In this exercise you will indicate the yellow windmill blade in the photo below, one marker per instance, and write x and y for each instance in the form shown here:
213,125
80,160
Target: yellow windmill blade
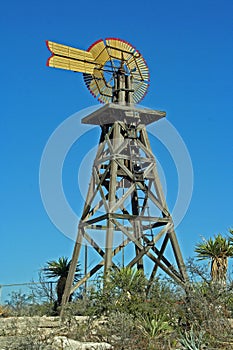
98,51
118,48
69,58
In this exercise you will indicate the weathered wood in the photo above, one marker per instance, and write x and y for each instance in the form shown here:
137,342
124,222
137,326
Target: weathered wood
112,200
124,172
112,112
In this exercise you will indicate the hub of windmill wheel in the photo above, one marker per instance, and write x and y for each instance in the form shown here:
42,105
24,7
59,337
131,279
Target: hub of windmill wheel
123,87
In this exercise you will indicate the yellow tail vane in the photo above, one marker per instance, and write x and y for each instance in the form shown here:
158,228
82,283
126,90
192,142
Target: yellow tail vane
66,57
99,65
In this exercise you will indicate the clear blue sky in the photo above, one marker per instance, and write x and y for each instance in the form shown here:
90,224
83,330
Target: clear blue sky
188,48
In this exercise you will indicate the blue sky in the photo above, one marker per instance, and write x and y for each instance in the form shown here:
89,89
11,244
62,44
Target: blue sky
188,48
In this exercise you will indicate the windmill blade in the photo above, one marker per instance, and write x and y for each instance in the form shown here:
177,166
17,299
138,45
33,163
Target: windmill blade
117,48
69,58
108,55
99,52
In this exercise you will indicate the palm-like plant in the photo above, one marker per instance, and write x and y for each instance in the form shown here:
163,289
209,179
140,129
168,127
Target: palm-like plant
218,250
231,237
59,269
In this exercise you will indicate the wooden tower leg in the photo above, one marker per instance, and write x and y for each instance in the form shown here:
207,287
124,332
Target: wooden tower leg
111,201
72,269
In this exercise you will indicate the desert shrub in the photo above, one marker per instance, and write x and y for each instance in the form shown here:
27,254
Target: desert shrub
4,311
21,304
205,310
121,330
121,311
122,290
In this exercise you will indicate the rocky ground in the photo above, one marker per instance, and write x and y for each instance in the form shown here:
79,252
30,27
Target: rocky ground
47,333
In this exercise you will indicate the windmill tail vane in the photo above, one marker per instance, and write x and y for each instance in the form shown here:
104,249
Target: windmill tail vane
100,63
66,57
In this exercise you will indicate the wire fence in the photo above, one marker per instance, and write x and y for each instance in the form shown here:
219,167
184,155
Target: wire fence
28,289
38,292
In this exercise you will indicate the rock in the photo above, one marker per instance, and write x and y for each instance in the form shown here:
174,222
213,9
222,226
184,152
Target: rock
64,343
48,331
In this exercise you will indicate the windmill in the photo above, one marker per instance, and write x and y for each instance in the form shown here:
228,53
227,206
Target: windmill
125,197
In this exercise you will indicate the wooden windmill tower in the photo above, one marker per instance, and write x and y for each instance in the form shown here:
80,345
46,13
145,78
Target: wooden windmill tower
125,198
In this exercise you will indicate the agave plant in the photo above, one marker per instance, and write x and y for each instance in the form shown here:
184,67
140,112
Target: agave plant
155,327
192,340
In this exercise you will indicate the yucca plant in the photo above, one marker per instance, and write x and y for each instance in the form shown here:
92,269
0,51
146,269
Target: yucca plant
231,236
127,280
218,250
59,269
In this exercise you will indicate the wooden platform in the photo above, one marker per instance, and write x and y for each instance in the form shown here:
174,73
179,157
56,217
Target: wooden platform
112,112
